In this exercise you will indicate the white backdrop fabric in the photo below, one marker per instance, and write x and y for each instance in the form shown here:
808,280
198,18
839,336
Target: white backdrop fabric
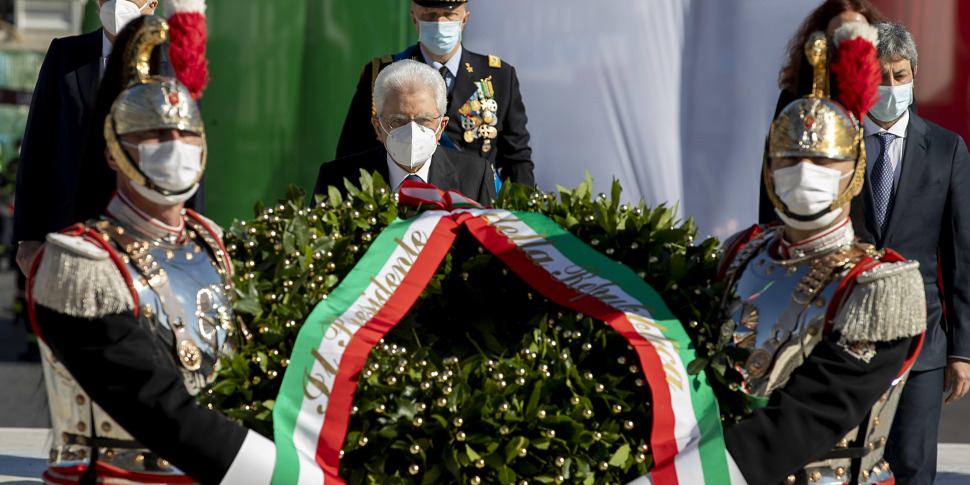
671,97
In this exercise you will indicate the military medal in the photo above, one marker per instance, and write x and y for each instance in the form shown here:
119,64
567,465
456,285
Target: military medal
479,115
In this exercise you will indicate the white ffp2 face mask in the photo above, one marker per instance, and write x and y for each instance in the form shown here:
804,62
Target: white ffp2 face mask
172,165
808,190
411,145
116,14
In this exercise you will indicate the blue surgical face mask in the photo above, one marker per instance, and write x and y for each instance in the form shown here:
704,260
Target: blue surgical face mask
439,37
893,103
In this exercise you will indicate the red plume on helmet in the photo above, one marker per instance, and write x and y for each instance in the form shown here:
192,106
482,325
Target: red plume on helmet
187,37
856,68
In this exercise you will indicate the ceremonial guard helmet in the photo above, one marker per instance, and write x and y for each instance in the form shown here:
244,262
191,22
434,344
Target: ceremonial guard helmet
150,102
818,126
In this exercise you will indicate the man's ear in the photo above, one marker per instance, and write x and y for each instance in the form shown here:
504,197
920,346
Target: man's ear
441,129
376,123
914,72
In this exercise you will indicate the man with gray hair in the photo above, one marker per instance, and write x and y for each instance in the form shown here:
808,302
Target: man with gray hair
411,102
484,100
918,203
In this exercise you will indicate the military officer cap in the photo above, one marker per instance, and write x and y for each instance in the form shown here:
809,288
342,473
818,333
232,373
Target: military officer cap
440,3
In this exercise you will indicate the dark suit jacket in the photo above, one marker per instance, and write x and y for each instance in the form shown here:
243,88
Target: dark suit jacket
930,223
57,124
58,181
509,153
450,170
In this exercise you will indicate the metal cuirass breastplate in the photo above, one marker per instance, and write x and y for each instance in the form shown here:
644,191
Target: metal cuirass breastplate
779,316
183,303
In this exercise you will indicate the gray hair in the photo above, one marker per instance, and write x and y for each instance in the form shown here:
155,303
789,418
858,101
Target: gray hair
408,75
895,40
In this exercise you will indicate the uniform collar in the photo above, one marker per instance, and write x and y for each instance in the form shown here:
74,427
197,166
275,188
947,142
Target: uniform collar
123,210
840,235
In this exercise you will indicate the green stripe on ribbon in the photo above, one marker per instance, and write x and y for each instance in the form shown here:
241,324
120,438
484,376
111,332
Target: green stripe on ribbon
290,398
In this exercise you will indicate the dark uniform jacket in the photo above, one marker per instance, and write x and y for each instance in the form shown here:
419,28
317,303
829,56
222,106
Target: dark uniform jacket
509,152
450,170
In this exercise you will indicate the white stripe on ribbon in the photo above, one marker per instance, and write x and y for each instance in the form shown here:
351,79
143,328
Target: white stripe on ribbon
686,429
309,422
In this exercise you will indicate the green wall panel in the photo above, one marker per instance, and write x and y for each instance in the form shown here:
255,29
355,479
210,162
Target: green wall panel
282,76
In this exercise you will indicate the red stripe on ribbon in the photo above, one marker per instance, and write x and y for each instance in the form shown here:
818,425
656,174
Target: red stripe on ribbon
662,433
662,437
337,418
417,194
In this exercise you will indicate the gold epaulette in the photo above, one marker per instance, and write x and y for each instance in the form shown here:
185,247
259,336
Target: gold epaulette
494,61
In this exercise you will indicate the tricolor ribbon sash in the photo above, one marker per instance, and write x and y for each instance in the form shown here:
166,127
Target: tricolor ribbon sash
312,411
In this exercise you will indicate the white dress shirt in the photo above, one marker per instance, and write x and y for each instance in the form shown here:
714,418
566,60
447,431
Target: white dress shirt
896,147
453,65
106,48
398,174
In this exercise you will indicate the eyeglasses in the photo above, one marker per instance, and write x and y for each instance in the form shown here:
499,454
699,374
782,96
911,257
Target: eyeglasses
396,121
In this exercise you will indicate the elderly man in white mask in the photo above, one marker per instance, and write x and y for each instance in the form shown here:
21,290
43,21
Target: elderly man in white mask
411,101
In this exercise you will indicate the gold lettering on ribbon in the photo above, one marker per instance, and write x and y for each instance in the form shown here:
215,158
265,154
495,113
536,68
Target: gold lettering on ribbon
336,328
319,381
582,279
649,330
673,376
337,325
